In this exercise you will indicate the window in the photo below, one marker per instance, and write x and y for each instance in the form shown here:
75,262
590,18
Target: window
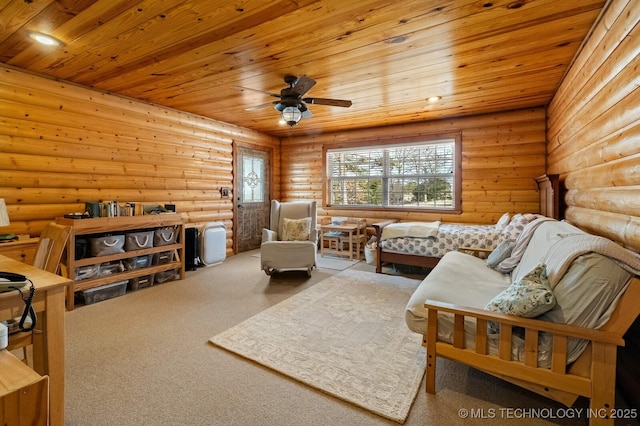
253,183
415,175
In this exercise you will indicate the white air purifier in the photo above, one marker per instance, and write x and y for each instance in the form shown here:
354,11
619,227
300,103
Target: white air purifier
213,243
4,336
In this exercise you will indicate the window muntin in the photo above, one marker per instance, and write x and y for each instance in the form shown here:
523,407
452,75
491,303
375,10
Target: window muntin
418,175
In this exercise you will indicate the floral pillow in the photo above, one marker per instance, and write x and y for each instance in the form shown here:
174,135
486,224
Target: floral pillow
514,228
296,229
529,297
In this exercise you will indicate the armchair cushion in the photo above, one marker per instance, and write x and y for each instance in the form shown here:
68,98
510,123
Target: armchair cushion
296,229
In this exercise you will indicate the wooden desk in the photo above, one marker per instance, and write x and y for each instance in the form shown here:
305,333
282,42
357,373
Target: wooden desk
22,250
23,393
349,229
48,346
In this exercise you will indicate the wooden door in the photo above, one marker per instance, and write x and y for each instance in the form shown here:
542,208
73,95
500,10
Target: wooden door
252,196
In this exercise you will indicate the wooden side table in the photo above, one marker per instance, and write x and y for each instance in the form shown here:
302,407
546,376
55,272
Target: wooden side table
350,233
347,229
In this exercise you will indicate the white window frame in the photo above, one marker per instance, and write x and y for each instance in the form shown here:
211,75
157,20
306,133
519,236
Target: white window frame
436,167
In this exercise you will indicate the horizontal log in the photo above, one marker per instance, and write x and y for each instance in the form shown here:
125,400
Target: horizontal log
527,196
179,121
497,184
80,195
502,162
519,175
471,151
618,146
615,200
24,179
105,167
622,228
602,43
92,154
620,173
613,109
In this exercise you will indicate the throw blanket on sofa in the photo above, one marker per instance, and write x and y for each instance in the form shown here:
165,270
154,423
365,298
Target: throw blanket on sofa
562,253
521,244
411,229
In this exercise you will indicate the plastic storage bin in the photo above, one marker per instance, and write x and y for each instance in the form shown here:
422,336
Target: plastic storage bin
103,292
164,276
110,268
138,262
140,282
163,257
86,272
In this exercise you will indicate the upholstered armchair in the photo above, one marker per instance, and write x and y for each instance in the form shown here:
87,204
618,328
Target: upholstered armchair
291,241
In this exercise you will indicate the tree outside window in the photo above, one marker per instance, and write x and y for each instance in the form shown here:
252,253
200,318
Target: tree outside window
420,175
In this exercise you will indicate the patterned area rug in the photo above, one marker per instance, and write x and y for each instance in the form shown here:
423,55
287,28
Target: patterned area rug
345,336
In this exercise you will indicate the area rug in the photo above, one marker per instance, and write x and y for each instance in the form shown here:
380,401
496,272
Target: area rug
345,336
335,263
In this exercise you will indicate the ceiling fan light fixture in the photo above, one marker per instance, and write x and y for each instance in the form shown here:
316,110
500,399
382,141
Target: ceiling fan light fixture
291,115
45,39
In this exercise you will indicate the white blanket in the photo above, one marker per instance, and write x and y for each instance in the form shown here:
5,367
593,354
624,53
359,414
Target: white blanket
411,229
562,253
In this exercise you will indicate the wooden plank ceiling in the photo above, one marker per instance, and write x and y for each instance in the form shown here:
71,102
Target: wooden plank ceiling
387,57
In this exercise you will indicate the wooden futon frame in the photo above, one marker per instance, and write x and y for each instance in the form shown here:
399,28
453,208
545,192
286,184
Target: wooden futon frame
592,375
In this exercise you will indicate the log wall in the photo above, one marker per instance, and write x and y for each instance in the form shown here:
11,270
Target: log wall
594,145
502,154
63,144
594,129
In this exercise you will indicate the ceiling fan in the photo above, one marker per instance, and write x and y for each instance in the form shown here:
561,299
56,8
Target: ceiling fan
292,105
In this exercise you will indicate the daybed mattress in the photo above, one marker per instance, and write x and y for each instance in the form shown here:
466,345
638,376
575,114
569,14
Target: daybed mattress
450,237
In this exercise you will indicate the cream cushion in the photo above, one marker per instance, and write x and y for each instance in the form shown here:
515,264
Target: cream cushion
296,229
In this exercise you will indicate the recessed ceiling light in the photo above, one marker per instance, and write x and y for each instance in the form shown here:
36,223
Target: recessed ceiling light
433,99
45,39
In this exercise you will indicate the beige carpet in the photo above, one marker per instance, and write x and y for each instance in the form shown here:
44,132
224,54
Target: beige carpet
345,336
330,262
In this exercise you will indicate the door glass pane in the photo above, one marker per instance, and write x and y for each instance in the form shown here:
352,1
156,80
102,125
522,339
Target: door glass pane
253,179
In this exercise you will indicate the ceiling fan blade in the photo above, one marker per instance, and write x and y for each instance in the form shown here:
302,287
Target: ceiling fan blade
242,89
253,108
331,102
302,86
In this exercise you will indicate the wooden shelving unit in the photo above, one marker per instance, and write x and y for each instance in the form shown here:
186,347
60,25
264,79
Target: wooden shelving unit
121,225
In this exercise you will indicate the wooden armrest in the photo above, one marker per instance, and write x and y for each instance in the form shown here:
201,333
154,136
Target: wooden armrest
527,323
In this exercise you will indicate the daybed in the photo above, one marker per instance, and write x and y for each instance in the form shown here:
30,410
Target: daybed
424,243
552,324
